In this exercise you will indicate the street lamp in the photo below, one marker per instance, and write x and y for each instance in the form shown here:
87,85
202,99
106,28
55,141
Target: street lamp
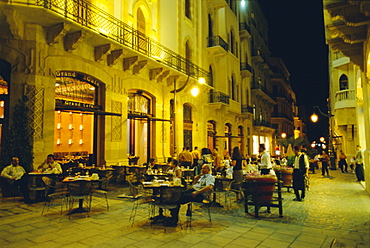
194,91
315,118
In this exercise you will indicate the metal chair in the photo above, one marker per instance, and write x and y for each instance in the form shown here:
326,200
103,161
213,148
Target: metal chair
196,208
54,191
223,187
143,203
79,191
101,191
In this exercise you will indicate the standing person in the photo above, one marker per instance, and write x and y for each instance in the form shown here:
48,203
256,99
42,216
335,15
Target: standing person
50,166
265,164
196,156
206,158
217,161
300,165
185,158
343,162
236,163
359,165
16,176
324,163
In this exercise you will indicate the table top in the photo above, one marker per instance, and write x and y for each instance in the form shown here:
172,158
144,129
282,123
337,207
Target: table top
152,185
77,179
40,173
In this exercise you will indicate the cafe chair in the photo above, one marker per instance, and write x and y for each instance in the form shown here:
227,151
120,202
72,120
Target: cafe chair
79,192
101,192
143,203
199,210
223,188
8,190
54,192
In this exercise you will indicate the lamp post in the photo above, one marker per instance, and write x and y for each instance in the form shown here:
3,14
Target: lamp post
315,118
194,92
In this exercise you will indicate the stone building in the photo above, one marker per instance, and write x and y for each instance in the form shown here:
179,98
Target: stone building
347,25
113,80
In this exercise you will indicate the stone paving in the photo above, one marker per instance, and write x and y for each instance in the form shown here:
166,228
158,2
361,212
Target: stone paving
336,208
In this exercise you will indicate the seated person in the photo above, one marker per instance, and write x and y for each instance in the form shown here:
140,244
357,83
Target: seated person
202,184
175,169
16,176
151,164
50,166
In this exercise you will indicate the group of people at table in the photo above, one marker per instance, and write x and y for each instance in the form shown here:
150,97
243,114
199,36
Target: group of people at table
16,175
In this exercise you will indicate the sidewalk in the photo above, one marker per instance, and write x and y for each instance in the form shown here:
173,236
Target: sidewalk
335,208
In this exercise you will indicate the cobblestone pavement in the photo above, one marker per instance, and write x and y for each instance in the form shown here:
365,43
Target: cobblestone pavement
336,208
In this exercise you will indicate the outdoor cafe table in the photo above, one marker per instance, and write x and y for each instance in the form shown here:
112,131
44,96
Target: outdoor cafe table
84,184
37,185
161,187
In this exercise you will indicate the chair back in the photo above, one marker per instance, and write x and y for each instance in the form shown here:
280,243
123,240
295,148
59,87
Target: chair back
79,188
172,195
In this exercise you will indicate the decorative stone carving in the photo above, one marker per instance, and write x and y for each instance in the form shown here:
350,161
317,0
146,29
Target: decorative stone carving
128,62
163,76
54,33
72,40
100,51
15,22
153,73
114,56
137,68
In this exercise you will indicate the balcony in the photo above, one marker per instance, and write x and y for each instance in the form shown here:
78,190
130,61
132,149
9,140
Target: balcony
282,116
247,109
262,123
217,45
244,30
105,27
246,69
257,56
345,99
219,97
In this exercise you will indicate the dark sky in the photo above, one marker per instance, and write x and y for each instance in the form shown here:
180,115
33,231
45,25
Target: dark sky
296,34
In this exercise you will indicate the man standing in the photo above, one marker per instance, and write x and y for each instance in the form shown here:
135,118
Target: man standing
265,164
359,165
16,176
217,161
185,157
196,156
301,165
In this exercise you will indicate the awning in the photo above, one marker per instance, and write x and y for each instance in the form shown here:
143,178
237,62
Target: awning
149,118
83,109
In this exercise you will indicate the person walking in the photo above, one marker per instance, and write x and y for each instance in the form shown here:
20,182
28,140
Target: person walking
359,170
324,163
236,163
343,162
300,165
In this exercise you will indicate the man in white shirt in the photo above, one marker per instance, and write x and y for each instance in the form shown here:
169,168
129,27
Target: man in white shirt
265,164
50,166
301,165
202,184
17,176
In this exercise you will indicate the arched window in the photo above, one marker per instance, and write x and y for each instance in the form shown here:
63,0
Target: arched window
233,89
232,42
261,114
188,126
187,9
343,82
141,25
210,76
254,111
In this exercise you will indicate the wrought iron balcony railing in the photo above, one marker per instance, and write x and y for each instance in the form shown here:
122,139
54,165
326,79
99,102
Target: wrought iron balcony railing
218,97
217,41
247,109
244,26
103,23
262,123
246,67
256,85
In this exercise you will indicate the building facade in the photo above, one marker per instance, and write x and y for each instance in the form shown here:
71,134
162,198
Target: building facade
113,80
347,25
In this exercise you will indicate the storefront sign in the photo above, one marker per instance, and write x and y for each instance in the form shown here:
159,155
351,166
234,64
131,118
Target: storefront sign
76,104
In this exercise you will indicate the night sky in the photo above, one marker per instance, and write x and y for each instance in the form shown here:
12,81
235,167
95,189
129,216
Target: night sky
296,34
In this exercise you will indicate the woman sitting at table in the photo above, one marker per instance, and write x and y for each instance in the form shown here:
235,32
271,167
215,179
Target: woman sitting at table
50,166
175,169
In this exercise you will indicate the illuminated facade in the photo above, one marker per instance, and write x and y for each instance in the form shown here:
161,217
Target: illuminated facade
347,25
113,79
